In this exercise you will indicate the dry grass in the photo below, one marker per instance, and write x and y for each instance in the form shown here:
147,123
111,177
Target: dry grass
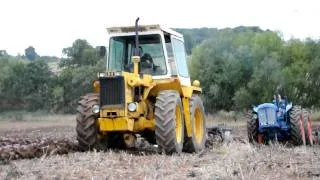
228,161
233,120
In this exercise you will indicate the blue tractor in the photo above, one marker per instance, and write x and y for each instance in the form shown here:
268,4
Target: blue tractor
279,121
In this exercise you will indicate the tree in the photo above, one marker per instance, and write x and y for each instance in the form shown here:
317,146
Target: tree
27,85
81,78
81,53
313,84
3,53
30,53
237,63
37,77
264,81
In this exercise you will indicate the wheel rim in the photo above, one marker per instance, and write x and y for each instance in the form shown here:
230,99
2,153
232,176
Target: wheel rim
178,124
198,120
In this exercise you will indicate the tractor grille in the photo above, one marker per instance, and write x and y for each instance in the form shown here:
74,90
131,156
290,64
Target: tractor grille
112,91
267,116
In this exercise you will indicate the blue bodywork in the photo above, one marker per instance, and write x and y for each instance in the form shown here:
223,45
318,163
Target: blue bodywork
273,119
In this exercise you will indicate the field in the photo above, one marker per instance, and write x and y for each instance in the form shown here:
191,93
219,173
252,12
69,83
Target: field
235,159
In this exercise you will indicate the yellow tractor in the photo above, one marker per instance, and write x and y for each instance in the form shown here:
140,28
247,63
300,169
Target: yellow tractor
145,90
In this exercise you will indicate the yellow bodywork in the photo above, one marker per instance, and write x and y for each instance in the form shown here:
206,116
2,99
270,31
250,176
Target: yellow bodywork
179,124
125,124
120,119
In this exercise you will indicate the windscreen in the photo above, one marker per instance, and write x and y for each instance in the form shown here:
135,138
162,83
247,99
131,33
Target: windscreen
152,61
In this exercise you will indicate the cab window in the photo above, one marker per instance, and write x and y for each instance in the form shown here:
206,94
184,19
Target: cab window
180,57
151,53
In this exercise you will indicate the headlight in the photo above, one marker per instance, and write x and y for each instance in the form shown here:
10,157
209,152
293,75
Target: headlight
95,108
117,73
132,107
102,75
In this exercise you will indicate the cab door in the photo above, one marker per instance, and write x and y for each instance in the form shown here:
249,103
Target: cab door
180,59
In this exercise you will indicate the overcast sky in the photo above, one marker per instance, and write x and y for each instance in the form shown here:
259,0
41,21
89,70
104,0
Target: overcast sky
52,25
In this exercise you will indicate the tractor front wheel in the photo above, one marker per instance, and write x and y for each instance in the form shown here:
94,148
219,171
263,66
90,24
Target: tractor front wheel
169,130
196,142
297,126
252,128
87,130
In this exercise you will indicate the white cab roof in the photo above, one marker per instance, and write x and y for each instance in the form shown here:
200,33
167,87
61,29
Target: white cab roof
142,28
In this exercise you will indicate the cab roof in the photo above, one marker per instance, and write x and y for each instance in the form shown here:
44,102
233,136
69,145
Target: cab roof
142,28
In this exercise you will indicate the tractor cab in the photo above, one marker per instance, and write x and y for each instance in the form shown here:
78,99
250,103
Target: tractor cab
161,51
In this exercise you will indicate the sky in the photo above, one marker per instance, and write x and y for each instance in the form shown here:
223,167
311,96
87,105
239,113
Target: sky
51,25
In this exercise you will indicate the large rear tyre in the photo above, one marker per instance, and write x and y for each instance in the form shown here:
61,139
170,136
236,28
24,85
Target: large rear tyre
307,127
252,128
297,126
196,142
87,130
169,130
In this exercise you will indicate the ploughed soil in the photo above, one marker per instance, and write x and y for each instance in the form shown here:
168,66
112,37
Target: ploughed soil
48,150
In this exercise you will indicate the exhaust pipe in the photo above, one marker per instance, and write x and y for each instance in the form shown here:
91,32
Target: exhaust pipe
137,51
136,57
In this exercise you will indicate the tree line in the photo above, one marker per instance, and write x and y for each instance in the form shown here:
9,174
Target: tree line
30,84
242,67
237,67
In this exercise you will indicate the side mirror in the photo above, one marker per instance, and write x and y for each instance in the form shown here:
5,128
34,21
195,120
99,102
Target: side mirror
102,51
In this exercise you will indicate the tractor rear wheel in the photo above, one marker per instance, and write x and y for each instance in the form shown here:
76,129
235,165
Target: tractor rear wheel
87,130
296,126
307,127
169,130
252,128
196,142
